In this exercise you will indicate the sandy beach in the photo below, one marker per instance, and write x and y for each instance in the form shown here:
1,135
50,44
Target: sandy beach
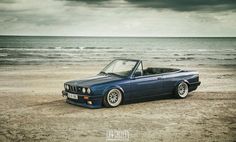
32,109
51,44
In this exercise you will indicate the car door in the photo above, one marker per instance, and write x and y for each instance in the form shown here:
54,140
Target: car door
145,86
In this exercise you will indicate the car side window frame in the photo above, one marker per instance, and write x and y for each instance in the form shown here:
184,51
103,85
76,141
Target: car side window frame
133,74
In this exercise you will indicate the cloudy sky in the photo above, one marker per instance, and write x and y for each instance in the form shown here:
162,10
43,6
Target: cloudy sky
118,17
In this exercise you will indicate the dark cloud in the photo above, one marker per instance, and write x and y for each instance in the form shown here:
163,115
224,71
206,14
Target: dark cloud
187,5
92,1
176,5
88,1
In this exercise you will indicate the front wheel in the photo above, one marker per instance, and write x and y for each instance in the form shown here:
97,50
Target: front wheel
181,90
113,98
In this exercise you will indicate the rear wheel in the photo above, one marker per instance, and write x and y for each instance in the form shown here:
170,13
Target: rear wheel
181,90
113,98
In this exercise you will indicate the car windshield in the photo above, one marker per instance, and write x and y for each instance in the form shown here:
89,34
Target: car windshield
120,67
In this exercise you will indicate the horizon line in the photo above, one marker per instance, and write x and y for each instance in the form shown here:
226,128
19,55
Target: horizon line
120,36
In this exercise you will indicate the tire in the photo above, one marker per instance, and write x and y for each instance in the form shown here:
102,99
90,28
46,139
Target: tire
113,98
181,90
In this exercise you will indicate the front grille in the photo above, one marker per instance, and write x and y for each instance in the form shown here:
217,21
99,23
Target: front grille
74,89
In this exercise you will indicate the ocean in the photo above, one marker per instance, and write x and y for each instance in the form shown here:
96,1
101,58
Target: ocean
35,50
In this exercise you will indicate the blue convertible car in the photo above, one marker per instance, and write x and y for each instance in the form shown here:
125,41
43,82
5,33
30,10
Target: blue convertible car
125,80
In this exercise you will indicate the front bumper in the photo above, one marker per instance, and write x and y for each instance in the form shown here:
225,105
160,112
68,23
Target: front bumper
84,99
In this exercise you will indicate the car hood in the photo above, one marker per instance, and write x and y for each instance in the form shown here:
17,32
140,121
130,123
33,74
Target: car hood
98,79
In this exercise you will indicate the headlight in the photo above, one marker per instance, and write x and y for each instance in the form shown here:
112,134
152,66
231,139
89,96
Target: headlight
67,87
88,91
84,90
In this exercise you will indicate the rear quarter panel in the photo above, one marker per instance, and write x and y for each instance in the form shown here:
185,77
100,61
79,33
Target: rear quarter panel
171,80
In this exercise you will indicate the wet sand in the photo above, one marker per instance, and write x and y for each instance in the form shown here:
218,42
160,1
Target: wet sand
32,109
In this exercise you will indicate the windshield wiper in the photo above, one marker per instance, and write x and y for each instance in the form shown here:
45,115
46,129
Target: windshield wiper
102,72
110,73
114,74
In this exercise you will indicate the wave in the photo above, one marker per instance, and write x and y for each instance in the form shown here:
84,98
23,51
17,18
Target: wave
185,58
221,58
77,50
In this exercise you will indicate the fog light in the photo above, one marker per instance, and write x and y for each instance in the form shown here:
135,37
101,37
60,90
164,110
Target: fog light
89,102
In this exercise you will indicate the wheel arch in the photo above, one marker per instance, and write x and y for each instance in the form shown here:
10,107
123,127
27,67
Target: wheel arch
178,82
107,89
